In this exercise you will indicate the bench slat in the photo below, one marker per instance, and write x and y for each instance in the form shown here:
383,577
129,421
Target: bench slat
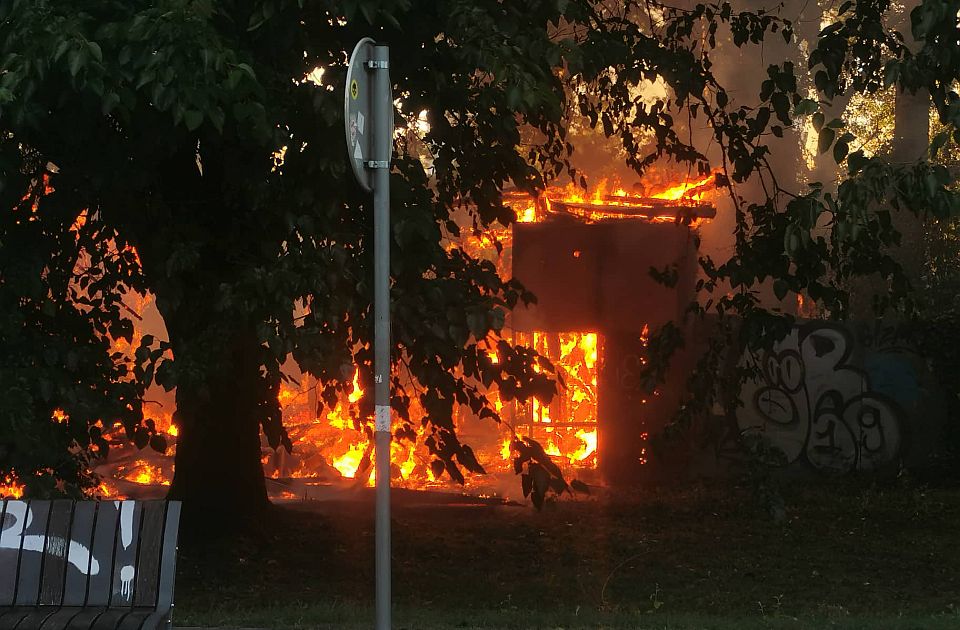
84,619
55,552
146,620
104,543
168,559
129,619
9,550
125,555
80,560
34,618
111,619
63,616
148,563
31,554
11,617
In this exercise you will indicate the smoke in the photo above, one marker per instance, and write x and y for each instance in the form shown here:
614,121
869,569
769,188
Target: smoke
740,70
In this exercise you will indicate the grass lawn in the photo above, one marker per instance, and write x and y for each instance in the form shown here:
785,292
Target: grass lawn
845,557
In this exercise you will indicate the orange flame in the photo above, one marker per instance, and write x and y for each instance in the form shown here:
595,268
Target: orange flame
142,472
11,488
606,195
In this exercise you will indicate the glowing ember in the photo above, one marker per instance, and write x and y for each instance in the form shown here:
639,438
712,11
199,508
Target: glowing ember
287,395
108,489
145,473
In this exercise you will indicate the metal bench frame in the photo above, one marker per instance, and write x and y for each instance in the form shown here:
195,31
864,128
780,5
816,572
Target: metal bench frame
94,565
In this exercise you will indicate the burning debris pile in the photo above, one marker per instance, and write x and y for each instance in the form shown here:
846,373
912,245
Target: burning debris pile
595,355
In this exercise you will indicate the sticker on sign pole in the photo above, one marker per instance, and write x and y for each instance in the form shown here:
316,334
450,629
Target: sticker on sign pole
382,418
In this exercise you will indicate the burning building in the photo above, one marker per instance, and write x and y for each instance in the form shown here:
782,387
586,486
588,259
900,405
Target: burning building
612,266
606,268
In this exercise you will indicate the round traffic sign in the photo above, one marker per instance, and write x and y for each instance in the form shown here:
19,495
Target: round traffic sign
357,113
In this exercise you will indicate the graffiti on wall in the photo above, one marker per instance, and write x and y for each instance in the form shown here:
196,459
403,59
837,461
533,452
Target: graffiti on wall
820,407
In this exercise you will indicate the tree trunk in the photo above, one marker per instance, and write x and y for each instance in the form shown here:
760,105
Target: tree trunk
218,472
911,140
222,397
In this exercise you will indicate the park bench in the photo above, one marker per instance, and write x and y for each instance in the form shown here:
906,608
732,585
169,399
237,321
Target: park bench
87,564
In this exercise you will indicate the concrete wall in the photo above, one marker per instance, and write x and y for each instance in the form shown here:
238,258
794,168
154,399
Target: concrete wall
837,399
596,277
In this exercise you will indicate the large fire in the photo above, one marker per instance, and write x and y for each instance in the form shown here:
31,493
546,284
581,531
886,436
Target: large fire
335,446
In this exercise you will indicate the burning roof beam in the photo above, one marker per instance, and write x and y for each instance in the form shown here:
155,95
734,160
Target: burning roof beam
649,208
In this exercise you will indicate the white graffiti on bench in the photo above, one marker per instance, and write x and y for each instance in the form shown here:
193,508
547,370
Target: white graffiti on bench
19,516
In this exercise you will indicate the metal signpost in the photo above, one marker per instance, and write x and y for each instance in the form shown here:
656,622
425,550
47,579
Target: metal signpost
368,115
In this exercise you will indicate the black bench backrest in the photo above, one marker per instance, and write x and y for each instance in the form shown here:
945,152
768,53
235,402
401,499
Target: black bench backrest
104,554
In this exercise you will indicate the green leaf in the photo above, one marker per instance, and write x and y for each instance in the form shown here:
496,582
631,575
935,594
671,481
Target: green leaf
817,121
158,443
193,119
217,117
526,484
110,100
938,141
780,288
247,69
257,20
791,240
95,51
840,151
61,49
781,106
825,140
145,78
806,106
891,72
932,184
856,161
74,61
